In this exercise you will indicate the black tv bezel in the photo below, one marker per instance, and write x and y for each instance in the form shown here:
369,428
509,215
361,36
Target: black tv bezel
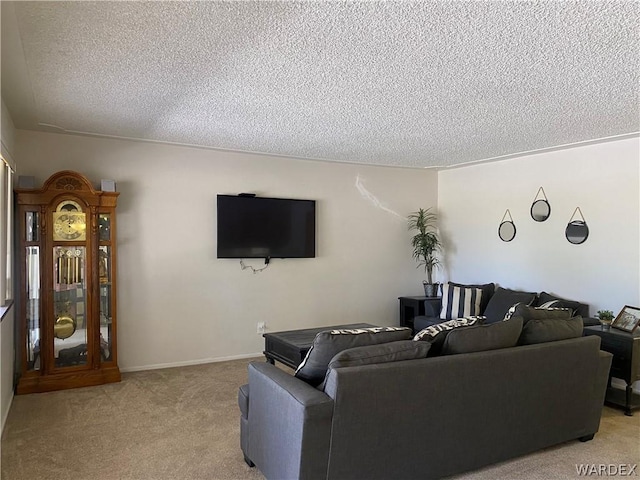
256,197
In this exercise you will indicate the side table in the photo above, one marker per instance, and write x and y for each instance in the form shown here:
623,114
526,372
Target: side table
411,307
625,364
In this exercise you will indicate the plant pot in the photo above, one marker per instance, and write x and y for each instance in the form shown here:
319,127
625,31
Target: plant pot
606,324
431,289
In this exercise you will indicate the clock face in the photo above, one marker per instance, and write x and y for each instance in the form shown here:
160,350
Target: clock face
68,206
69,226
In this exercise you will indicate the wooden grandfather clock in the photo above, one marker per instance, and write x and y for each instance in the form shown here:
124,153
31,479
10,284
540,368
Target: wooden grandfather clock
66,258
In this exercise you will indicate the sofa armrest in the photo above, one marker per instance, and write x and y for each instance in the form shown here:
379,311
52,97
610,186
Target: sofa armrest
286,418
432,307
423,322
590,321
583,310
599,390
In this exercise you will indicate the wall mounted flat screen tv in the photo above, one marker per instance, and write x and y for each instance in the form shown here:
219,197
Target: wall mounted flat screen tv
260,227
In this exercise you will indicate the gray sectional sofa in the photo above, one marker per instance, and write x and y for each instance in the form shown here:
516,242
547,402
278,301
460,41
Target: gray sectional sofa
422,418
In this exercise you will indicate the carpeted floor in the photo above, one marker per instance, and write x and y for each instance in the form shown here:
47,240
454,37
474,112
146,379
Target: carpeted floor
183,424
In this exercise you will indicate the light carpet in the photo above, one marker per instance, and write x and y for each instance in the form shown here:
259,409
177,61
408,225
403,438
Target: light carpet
183,424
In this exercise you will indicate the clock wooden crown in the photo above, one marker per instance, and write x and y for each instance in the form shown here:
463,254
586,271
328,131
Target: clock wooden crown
68,182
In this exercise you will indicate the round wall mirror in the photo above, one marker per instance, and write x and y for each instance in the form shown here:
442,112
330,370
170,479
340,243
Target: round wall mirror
540,210
577,232
507,231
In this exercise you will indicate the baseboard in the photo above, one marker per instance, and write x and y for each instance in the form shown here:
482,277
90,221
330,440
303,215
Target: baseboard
190,362
618,383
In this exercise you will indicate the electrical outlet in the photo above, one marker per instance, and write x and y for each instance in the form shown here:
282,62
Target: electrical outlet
262,327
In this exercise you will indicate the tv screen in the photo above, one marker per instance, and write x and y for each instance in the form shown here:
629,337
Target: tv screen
260,227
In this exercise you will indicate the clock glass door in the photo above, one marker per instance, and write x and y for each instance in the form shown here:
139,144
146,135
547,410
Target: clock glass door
69,306
32,290
105,275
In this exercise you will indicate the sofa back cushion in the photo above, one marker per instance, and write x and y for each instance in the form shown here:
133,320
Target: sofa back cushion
479,338
502,300
328,343
459,300
381,353
543,330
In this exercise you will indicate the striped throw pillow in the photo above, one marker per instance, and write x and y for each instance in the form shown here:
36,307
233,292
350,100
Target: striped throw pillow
459,301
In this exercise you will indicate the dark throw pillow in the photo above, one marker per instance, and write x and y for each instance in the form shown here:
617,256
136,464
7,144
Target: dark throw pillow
480,338
435,334
577,307
550,330
502,300
328,343
537,313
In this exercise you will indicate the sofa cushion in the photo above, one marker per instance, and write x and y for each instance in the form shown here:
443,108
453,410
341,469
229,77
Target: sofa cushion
479,338
460,301
330,342
535,313
381,353
550,329
578,307
502,300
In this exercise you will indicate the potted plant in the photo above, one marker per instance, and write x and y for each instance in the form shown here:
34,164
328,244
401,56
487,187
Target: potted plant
426,246
605,317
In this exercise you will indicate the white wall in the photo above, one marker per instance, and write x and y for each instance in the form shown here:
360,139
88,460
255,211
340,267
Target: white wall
178,304
7,145
6,364
7,130
602,179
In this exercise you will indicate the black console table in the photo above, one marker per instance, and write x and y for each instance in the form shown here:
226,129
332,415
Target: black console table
411,307
625,364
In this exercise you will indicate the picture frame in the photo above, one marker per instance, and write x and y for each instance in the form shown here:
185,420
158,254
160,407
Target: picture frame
628,319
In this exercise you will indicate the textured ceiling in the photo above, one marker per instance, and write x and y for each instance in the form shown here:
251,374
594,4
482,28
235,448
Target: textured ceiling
414,84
